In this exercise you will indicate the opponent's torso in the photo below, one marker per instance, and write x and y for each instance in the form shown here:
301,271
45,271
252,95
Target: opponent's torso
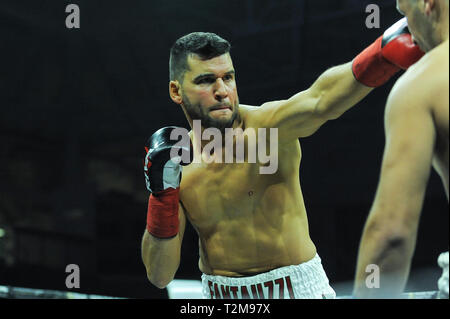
440,158
248,222
439,97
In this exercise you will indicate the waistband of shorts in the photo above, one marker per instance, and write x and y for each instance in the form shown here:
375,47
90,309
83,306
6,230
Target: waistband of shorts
307,269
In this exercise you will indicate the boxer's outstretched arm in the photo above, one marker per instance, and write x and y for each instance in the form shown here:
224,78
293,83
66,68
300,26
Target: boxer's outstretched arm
161,257
341,87
333,93
389,235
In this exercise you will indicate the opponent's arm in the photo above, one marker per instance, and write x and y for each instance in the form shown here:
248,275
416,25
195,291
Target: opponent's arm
389,235
341,87
161,243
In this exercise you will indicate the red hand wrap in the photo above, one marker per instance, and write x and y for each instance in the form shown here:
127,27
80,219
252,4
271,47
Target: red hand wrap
370,68
162,213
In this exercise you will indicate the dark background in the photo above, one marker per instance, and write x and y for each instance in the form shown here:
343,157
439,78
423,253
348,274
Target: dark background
78,104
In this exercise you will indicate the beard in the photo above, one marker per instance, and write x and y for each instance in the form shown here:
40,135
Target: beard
198,112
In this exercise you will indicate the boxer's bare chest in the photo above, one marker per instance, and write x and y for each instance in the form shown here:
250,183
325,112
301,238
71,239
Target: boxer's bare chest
234,191
213,192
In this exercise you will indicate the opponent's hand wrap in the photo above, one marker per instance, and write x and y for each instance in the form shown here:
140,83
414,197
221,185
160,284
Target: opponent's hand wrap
162,171
391,52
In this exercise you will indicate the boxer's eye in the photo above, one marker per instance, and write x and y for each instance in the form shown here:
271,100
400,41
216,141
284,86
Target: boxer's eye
228,77
205,80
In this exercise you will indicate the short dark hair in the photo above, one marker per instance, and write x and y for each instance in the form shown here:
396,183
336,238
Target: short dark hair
204,44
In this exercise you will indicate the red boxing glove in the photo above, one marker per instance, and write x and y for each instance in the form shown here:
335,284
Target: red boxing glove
393,51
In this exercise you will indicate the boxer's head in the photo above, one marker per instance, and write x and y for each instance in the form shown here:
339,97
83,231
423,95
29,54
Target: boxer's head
427,21
202,79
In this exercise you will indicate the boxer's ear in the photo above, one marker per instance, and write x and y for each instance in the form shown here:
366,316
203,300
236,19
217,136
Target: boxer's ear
429,6
175,91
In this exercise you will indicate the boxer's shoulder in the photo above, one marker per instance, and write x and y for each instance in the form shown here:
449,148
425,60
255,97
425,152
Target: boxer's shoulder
421,83
257,116
250,115
247,110
429,71
438,68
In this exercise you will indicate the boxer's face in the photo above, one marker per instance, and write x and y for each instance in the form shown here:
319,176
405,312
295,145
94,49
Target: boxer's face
209,91
420,15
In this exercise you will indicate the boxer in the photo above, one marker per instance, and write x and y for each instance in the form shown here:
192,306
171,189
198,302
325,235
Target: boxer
416,127
253,230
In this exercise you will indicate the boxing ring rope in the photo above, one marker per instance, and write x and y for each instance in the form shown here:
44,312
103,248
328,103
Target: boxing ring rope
192,289
177,289
10,292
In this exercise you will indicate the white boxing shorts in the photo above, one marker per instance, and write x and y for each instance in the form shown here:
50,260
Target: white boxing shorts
304,281
443,280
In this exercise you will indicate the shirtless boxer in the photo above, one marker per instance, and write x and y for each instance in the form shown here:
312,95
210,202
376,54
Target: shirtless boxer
416,124
253,230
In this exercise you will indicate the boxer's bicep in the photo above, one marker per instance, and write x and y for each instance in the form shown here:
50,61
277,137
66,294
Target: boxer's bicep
333,93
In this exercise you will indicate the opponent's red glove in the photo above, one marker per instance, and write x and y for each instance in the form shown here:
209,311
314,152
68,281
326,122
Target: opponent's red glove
391,52
162,170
